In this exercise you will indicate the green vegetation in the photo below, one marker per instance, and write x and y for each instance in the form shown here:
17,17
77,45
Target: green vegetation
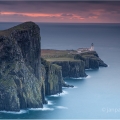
60,59
58,55
66,55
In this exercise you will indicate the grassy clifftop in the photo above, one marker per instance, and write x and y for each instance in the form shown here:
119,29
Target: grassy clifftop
66,55
58,55
90,58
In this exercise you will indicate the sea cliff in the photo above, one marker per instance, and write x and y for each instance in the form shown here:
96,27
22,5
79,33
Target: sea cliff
26,77
52,75
73,63
72,68
20,65
91,60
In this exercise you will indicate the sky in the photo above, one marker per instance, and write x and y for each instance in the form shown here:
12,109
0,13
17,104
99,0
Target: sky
60,12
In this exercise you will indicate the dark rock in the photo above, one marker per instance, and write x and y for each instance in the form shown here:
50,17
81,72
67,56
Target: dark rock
91,60
66,85
53,78
45,102
72,68
20,79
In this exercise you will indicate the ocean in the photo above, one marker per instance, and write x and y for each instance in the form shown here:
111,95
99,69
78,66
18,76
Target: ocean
94,97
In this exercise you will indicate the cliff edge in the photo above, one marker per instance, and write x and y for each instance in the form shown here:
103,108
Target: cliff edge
25,77
20,65
73,63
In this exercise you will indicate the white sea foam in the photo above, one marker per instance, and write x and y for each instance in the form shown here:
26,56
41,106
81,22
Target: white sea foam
61,107
75,87
50,103
83,77
41,109
88,77
61,94
11,112
78,78
70,87
64,87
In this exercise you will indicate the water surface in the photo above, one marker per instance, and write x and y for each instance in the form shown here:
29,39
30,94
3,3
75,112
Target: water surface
98,95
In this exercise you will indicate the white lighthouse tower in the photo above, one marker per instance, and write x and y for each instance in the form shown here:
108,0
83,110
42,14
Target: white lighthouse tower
92,47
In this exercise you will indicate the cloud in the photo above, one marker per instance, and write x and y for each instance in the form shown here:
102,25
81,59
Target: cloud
31,14
67,11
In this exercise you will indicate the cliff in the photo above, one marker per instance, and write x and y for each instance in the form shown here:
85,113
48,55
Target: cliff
24,81
20,64
91,60
52,75
72,68
73,64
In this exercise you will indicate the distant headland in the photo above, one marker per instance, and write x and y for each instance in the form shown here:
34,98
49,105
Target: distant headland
82,50
28,74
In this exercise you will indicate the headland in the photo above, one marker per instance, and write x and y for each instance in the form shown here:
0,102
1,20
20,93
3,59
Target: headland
28,74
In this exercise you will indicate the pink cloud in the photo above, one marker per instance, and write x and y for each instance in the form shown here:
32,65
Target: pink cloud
58,15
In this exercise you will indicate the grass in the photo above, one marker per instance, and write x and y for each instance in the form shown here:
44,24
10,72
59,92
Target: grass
61,59
58,55
64,55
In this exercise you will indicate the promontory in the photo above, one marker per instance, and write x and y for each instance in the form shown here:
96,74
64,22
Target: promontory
26,77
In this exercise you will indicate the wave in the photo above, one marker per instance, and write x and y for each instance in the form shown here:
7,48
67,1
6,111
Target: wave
11,112
88,77
50,103
42,109
75,87
65,87
70,87
61,94
61,107
83,77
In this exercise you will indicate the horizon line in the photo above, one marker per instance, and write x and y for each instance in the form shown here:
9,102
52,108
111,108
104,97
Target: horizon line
63,22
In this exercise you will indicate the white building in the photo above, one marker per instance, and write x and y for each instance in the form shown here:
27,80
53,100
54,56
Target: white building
80,50
92,47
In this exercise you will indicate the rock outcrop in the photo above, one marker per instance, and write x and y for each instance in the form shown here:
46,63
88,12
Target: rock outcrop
91,60
24,81
72,68
52,75
20,79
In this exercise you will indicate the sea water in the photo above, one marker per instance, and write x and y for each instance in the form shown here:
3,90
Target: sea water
98,95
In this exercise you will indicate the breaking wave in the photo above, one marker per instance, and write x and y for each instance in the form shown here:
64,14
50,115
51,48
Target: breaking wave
42,109
11,112
50,103
83,77
61,107
61,94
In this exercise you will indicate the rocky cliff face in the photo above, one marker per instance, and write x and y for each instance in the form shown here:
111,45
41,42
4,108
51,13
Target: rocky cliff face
52,74
91,60
72,68
20,79
24,81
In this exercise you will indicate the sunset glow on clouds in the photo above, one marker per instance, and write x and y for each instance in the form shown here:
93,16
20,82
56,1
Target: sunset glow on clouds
76,12
71,16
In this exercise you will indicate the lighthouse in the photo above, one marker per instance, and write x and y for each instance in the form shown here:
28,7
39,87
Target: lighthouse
92,47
